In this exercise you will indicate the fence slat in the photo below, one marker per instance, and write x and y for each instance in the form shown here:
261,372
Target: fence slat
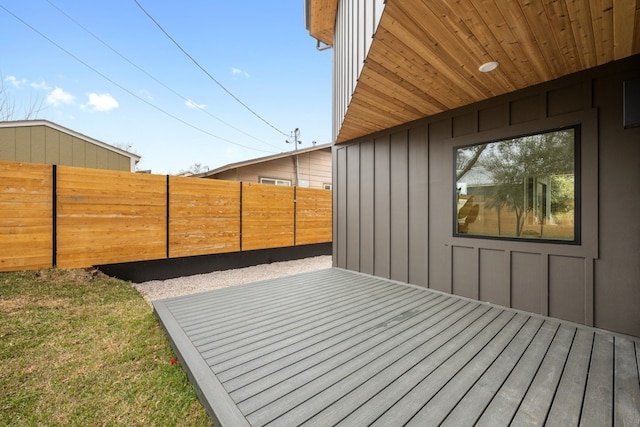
204,216
313,216
267,216
109,217
26,219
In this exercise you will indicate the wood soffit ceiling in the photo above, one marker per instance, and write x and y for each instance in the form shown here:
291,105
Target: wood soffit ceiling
425,54
322,19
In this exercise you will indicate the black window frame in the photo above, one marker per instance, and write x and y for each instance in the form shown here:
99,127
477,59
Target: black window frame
577,167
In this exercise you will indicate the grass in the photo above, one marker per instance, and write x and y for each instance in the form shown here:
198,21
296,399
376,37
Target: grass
79,348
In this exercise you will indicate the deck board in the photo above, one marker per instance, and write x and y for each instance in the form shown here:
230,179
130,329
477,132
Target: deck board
225,331
305,353
470,407
537,402
324,316
333,403
440,402
232,314
414,385
410,392
627,392
337,372
598,399
364,343
565,410
340,348
506,402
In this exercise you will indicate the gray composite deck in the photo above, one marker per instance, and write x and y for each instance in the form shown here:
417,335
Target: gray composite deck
340,348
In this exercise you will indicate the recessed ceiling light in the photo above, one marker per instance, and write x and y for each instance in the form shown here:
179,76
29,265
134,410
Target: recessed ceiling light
488,66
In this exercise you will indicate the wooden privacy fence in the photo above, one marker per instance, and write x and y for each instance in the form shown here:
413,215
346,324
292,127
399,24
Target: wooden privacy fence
75,217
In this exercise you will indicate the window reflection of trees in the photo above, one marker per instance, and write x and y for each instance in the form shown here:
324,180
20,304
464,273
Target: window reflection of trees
522,187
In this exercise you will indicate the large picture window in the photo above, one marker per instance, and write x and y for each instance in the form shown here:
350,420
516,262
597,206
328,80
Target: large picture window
519,188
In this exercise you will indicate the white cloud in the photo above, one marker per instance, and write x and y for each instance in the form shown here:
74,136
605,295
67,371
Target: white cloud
189,103
42,85
239,72
102,102
16,82
58,97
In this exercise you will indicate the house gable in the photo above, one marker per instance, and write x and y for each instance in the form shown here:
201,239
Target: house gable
41,141
313,164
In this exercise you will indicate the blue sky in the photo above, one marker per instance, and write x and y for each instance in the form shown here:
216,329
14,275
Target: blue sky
259,51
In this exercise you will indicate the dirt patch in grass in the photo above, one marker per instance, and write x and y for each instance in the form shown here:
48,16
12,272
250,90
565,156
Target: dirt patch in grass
18,303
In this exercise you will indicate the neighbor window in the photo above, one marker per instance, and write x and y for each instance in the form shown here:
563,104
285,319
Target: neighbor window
520,188
275,181
327,186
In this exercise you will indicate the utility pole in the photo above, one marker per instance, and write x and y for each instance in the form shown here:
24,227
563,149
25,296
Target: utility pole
295,135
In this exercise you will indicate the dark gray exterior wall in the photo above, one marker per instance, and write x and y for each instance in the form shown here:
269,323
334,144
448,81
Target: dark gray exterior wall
394,205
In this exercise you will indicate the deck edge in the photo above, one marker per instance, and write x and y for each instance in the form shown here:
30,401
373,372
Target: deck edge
213,396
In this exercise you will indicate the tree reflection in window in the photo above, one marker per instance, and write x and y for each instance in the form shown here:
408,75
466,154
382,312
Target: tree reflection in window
518,188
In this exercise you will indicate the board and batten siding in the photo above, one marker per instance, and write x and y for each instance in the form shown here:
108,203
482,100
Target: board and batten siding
356,23
393,205
46,145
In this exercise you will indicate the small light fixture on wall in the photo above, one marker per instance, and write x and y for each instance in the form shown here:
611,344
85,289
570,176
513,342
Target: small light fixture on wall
488,66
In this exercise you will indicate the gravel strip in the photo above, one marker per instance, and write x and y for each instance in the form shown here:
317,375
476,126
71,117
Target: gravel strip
160,289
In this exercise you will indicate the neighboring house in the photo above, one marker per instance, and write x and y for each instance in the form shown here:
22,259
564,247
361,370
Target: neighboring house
42,141
306,167
417,96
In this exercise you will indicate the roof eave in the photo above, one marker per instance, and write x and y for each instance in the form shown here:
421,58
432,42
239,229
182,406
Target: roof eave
41,122
262,159
320,19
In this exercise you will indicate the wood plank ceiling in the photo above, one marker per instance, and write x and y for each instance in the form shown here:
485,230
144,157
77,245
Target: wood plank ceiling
322,18
425,55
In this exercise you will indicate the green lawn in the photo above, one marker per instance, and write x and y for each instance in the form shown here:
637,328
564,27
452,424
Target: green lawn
79,348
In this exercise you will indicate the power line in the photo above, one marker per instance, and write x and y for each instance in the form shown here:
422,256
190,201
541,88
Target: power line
184,98
125,89
205,71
